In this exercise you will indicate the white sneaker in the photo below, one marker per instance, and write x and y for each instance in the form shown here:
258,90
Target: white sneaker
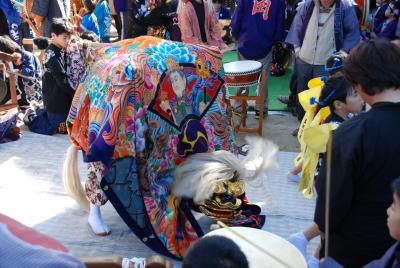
293,177
300,242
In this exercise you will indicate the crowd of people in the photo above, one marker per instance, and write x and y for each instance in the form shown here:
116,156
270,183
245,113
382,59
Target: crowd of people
357,96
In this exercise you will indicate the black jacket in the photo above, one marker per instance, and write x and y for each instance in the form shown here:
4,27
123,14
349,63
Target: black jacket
365,161
57,92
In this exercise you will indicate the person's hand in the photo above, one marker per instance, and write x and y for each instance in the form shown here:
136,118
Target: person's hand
228,48
396,42
322,235
39,20
297,52
16,58
77,20
82,12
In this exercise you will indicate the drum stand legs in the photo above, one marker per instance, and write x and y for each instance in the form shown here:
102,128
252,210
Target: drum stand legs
242,127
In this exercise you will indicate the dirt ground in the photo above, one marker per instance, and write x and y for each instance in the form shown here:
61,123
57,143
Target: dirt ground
277,127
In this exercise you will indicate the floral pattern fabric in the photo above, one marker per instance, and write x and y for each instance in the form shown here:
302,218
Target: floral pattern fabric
133,103
94,193
76,64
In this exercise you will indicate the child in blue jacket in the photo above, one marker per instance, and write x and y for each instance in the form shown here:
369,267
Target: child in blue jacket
102,13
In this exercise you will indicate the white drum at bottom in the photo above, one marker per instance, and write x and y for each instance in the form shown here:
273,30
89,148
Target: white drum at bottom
277,246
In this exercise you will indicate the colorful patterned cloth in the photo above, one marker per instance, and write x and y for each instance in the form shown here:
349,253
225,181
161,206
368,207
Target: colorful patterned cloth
142,107
76,64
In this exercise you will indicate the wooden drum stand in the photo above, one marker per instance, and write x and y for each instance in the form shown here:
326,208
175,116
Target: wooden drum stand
241,74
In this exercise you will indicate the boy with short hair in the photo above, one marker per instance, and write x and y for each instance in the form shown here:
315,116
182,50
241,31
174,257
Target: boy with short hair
215,251
341,98
57,92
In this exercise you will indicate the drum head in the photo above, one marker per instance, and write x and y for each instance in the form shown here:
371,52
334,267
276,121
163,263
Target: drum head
242,67
273,244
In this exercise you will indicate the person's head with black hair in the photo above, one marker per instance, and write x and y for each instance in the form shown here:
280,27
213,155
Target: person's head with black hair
373,69
334,64
61,30
41,42
217,4
91,36
89,5
340,97
393,212
215,251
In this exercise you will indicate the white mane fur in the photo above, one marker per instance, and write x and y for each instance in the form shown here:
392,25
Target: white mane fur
197,176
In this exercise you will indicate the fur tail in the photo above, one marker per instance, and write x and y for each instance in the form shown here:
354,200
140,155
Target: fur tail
72,182
197,177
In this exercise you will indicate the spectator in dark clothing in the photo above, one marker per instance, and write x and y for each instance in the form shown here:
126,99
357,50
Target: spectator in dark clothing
46,11
390,259
393,221
13,18
221,10
25,31
387,29
379,16
257,26
28,66
365,159
57,92
319,28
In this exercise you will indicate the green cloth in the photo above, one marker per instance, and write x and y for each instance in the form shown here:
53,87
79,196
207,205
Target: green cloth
276,85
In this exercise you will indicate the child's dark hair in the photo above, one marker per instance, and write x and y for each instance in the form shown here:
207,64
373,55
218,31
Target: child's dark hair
9,46
60,26
335,89
41,42
88,4
374,65
396,187
215,251
334,63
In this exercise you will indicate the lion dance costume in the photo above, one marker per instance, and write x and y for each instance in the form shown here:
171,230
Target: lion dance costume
145,111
